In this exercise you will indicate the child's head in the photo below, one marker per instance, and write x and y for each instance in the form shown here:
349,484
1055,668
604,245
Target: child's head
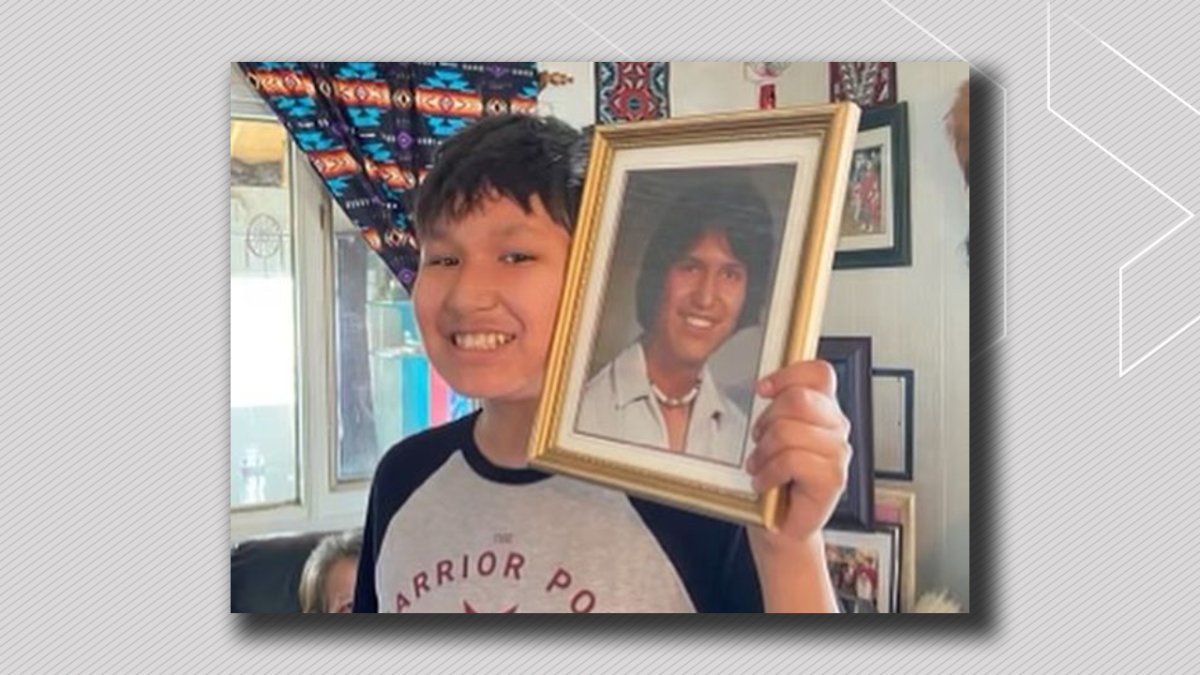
327,582
494,218
515,156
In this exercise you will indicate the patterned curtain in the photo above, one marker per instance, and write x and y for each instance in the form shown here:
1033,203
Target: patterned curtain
370,130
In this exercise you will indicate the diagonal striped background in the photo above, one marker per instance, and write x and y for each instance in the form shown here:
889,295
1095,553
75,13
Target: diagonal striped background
114,337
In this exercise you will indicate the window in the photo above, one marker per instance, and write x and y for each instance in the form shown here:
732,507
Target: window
386,388
263,416
327,367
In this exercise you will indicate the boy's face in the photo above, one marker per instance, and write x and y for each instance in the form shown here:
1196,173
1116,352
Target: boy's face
486,297
702,298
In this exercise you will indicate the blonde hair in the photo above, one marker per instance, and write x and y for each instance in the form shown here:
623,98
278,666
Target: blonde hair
335,547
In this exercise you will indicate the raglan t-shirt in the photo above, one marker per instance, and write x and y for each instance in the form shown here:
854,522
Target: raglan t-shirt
448,531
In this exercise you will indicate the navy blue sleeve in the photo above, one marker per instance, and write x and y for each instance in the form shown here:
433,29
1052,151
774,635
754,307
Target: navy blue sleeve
712,557
403,469
364,584
739,589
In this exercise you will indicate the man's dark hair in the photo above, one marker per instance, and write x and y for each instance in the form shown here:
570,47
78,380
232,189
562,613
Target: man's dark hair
737,210
517,156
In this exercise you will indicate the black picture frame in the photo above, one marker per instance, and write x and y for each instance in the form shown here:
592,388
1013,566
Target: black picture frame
851,360
908,377
899,254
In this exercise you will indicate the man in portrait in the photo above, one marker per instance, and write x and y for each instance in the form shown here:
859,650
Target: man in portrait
704,275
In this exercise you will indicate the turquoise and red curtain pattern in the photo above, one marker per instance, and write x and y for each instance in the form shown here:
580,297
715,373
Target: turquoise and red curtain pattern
370,129
632,90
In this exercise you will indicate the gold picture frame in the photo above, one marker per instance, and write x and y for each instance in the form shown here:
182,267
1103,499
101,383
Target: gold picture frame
796,162
897,506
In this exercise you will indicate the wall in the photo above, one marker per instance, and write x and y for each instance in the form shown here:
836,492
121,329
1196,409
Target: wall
695,87
917,316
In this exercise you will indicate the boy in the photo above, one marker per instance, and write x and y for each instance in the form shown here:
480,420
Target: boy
456,522
703,277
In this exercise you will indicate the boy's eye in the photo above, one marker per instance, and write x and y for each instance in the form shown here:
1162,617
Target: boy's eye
516,257
441,261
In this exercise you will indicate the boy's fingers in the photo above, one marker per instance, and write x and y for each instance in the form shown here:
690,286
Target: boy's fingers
767,445
815,374
800,466
804,404
794,436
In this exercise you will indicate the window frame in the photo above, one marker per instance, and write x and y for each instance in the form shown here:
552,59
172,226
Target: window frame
337,218
322,503
290,165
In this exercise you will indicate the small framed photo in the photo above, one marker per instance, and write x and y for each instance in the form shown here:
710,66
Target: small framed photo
875,229
893,391
898,507
864,567
851,361
699,264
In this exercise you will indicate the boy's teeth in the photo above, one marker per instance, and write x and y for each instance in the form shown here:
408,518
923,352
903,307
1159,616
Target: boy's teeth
481,341
698,322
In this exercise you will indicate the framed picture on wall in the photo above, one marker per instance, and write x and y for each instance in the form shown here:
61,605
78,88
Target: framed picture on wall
864,567
892,410
851,361
897,506
695,235
875,230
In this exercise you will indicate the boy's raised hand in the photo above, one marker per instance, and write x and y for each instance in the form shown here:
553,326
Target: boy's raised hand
801,444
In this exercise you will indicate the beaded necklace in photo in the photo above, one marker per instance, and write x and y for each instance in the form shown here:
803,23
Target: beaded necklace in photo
686,399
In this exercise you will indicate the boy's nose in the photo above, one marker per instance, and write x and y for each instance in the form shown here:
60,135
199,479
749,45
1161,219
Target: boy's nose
471,291
705,293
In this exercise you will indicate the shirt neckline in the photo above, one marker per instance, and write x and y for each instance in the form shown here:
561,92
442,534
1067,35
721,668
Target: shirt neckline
631,383
482,466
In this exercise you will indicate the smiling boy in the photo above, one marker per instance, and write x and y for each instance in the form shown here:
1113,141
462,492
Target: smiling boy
703,277
457,522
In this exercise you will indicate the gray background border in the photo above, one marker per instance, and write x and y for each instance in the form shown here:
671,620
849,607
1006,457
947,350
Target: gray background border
114,333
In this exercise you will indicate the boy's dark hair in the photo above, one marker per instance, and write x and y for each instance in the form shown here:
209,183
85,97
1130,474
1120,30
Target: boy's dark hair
737,210
516,155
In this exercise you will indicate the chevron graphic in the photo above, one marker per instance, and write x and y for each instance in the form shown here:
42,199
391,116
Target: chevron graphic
1125,364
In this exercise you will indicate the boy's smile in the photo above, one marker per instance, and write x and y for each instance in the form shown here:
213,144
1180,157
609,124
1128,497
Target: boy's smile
486,296
479,347
482,341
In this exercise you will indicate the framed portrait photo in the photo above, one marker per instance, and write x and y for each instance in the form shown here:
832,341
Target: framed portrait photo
699,264
874,229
